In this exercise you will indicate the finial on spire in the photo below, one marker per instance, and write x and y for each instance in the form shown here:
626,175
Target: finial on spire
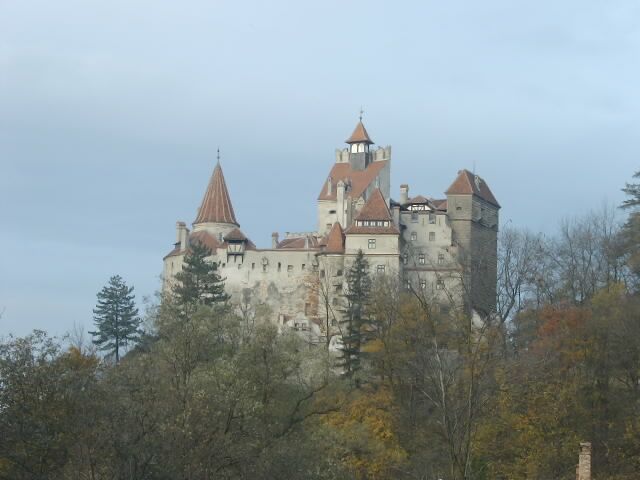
218,155
361,112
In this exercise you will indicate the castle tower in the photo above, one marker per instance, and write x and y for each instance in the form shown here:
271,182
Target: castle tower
358,171
473,213
216,215
359,143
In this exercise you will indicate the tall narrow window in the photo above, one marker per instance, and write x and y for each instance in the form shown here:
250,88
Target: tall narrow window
423,284
440,258
372,243
440,284
421,259
414,236
432,218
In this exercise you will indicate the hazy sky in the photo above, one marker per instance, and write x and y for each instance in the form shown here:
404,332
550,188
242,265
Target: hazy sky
111,113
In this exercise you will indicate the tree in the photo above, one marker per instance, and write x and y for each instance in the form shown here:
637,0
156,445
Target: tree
199,282
355,314
116,317
631,230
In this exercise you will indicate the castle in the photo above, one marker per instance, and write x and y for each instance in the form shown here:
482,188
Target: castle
444,248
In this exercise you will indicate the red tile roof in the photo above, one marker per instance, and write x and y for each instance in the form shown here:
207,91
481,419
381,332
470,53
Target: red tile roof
359,135
216,205
207,239
375,209
440,204
235,235
358,180
469,184
298,243
418,199
335,240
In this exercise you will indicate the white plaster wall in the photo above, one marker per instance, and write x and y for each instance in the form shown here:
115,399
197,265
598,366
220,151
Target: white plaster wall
385,244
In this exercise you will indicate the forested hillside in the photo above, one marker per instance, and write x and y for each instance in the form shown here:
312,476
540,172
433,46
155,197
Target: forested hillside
207,391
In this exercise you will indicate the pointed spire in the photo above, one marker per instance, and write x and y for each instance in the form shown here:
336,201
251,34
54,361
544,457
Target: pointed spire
216,205
359,134
335,239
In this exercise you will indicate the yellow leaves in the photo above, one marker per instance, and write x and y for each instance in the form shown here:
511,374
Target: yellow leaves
365,428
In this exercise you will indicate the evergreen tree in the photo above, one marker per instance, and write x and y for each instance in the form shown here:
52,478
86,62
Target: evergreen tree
116,317
199,282
355,315
631,230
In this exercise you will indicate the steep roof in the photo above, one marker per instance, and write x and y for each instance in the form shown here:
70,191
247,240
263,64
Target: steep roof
359,135
216,205
466,183
358,180
335,240
375,209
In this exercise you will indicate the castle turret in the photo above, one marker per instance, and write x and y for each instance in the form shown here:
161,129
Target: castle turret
359,142
473,213
215,214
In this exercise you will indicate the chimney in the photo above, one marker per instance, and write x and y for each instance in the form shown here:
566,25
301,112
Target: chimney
274,240
584,462
181,235
404,194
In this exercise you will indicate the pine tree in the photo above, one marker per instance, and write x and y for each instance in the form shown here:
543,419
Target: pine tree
116,317
355,315
199,282
631,231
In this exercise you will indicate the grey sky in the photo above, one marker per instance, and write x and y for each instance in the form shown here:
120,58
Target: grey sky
111,113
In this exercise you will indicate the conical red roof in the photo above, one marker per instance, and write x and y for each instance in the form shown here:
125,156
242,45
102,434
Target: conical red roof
335,240
359,135
216,205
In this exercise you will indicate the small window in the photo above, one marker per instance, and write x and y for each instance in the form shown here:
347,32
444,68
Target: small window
432,218
279,266
432,236
321,273
421,259
380,269
414,236
339,273
264,267
423,284
239,266
334,302
332,211
440,285
338,288
289,268
408,285
440,258
253,266
405,258
414,217
372,243
304,267
458,208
